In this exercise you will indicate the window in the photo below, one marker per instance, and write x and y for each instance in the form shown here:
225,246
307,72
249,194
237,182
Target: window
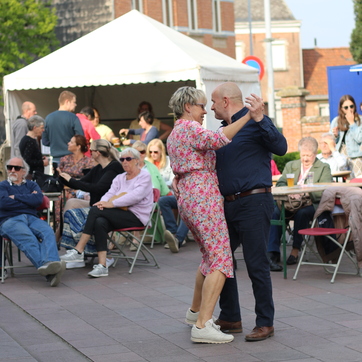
137,5
323,109
167,13
192,14
216,19
279,55
240,51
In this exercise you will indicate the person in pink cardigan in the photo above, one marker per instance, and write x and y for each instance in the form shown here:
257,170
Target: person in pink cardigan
128,203
86,116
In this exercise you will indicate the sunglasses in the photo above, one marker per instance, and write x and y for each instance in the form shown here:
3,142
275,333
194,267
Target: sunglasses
350,106
154,152
16,168
128,159
93,150
142,152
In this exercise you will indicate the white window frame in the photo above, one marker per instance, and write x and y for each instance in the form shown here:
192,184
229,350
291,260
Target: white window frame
279,50
137,5
239,51
167,13
192,15
216,16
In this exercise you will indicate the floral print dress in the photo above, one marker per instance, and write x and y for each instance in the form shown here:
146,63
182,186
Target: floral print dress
201,206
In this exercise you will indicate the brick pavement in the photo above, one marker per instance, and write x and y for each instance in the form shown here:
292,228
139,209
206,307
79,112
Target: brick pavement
140,317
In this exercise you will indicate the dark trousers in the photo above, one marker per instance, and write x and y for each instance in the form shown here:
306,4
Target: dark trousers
301,218
100,222
248,220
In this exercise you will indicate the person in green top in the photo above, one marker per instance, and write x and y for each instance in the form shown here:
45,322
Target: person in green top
157,180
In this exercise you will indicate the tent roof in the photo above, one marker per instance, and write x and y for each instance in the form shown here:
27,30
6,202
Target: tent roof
133,48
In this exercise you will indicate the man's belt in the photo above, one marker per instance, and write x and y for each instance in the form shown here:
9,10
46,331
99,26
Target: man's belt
233,197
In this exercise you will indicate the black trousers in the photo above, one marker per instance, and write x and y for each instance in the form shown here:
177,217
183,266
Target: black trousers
100,222
248,220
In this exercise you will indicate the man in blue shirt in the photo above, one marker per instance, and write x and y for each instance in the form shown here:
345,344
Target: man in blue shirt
19,199
61,126
244,173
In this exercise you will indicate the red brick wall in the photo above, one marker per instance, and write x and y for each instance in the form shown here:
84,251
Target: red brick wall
222,43
297,125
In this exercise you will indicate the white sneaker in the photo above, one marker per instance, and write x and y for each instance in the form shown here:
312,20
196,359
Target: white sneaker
72,255
211,333
166,246
75,264
5,274
109,262
191,317
98,271
171,241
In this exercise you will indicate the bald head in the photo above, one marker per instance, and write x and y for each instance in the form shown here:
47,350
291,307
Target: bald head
227,99
28,110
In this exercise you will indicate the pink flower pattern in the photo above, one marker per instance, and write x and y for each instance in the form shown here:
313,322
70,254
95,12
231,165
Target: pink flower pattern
191,150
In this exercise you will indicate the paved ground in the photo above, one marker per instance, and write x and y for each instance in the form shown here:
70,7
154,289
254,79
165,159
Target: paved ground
140,317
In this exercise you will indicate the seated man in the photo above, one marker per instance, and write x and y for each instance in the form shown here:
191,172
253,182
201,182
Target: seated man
175,234
336,161
19,199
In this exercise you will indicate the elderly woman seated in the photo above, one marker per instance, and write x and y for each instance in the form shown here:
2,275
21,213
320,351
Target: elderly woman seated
308,147
128,203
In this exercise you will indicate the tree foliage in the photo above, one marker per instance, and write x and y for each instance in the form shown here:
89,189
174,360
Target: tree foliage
26,33
356,37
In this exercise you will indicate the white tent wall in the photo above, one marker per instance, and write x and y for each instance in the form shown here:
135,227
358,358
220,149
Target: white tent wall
120,74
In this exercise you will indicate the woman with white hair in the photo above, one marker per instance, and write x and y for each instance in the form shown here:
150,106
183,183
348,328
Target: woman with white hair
127,204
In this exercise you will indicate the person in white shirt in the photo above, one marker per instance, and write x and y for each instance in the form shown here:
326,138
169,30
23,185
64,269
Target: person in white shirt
330,155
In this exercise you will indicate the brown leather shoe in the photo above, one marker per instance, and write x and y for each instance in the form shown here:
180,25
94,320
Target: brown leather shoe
259,334
229,327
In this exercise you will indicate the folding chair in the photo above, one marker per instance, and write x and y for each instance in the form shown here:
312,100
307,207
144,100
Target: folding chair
6,248
339,237
142,256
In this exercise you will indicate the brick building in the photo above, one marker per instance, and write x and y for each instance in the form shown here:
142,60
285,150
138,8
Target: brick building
209,21
286,48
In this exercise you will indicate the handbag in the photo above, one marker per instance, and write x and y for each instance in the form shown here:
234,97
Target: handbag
292,205
47,183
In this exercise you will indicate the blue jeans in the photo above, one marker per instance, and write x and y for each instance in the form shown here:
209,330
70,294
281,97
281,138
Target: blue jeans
167,203
33,236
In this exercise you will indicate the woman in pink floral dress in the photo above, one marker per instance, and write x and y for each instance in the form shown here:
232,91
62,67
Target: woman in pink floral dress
191,150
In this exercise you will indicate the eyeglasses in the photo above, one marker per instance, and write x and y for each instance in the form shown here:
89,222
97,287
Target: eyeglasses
350,106
16,168
128,159
154,152
201,105
142,152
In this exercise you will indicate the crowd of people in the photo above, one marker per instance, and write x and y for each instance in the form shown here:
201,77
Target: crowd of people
110,185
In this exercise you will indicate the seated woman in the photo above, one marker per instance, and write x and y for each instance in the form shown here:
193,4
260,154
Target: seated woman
104,131
308,147
29,146
97,182
156,154
73,165
147,131
128,203
157,180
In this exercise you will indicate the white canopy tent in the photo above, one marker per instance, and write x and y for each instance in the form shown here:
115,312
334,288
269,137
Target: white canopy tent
114,68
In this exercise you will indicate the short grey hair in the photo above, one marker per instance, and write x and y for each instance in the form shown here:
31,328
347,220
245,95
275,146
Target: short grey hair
140,144
25,165
329,135
183,96
35,121
128,150
309,142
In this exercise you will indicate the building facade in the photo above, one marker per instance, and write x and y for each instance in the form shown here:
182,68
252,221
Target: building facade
209,21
